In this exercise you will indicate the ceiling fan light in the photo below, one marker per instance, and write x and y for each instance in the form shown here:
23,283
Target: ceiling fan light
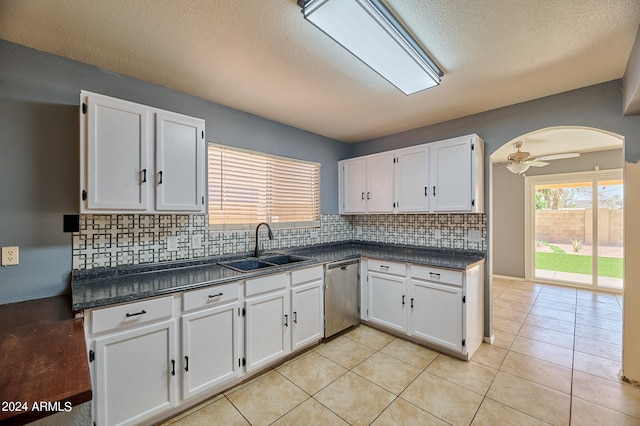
518,168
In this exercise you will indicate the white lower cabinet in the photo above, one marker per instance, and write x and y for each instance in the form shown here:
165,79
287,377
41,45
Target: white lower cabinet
386,291
135,374
307,307
437,306
436,314
267,329
211,336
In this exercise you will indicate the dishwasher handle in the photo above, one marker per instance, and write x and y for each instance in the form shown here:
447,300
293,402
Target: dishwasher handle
342,265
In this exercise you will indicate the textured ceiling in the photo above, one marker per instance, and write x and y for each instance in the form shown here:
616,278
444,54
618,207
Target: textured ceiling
264,58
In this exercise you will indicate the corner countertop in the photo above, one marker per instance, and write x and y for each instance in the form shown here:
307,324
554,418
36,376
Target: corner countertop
107,286
43,360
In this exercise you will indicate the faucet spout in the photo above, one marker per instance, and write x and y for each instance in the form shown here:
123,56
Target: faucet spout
256,250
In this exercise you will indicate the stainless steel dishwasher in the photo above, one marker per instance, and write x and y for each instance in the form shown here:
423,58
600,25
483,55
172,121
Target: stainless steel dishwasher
341,296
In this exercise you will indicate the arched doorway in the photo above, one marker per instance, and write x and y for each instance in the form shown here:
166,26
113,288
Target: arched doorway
545,226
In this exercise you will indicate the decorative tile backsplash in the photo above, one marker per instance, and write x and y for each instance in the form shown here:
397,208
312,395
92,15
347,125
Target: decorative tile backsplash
131,239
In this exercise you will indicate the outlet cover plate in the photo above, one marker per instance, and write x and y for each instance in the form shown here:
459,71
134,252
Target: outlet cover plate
10,256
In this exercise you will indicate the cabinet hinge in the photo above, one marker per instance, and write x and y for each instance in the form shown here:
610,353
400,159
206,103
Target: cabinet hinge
473,202
92,356
244,312
473,146
244,362
203,200
464,299
463,342
203,134
84,195
84,108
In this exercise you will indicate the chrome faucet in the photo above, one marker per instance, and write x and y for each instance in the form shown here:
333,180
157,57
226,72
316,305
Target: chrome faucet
255,252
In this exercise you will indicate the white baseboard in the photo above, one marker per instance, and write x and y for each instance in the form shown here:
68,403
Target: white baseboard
506,277
489,340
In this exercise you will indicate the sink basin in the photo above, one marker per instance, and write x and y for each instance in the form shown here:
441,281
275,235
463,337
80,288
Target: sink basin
267,261
283,259
246,265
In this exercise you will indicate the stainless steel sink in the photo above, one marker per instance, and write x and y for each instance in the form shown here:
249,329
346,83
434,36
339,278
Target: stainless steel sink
283,259
246,265
267,261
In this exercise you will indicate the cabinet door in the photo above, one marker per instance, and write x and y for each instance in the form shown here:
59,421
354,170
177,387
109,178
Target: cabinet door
210,348
387,300
115,136
353,185
180,163
135,374
307,314
451,175
267,323
412,180
380,183
436,314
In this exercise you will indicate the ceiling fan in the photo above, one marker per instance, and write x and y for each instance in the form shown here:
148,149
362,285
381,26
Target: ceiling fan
521,160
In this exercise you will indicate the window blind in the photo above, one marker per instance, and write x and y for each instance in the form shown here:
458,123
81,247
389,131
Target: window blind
248,187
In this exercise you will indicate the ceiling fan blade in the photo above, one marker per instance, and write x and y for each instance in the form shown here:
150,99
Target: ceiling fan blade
536,163
559,156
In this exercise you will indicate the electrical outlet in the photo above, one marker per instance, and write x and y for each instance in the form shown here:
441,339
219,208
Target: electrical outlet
196,241
172,244
10,256
437,234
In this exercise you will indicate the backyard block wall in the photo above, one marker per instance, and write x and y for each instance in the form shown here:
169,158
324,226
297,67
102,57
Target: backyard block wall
563,225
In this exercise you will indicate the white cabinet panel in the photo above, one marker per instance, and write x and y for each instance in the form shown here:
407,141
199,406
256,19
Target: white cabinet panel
412,180
135,374
386,305
380,183
267,323
210,348
115,169
451,175
353,185
180,163
307,314
437,314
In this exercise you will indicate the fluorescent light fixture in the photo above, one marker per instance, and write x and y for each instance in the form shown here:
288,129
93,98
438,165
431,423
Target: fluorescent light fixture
518,168
369,30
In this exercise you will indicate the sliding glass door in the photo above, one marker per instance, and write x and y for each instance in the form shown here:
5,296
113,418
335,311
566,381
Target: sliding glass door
574,228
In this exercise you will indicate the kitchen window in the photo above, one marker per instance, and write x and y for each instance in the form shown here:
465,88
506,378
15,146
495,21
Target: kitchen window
249,187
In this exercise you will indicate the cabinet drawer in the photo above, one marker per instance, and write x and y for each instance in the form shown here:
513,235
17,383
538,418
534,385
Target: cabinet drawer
306,275
210,296
387,267
265,284
446,276
131,314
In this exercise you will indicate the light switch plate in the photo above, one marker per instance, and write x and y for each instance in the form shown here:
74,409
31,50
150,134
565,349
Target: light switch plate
196,241
437,234
475,235
172,244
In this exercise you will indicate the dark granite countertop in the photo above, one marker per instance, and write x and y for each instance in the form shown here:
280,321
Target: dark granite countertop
107,286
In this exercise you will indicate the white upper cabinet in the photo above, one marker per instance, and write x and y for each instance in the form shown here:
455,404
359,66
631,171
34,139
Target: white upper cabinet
129,165
366,184
444,176
353,185
180,163
455,184
412,180
380,183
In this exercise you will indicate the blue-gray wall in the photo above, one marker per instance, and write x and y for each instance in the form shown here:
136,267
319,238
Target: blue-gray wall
39,155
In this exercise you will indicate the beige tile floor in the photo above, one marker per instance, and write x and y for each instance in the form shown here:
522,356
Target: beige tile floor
555,360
